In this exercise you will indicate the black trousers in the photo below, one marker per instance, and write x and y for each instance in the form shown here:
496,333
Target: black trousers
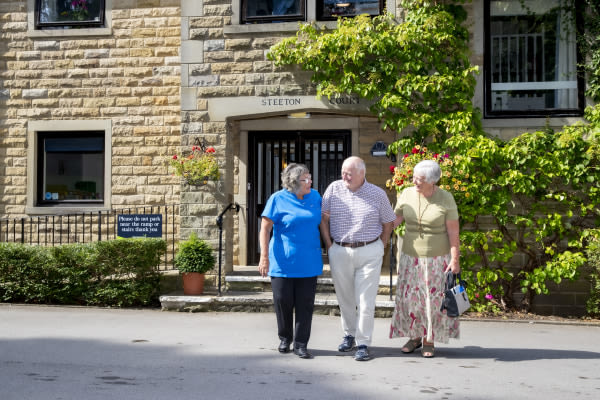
290,294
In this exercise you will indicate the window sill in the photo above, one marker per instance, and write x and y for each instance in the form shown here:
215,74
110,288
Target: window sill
50,33
273,27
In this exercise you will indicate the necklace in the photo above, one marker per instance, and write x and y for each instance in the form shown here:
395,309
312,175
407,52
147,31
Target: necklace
420,215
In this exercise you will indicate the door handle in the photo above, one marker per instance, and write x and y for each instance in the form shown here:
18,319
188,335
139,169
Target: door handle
249,186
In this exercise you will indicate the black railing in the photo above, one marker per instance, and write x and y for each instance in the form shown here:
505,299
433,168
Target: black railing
85,227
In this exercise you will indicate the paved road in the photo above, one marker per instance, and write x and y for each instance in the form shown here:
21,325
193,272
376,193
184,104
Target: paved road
89,353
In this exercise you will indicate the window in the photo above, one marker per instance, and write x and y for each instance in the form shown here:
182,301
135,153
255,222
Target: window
59,14
265,11
531,59
332,9
70,167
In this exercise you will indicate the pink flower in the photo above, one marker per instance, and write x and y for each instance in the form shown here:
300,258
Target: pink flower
489,296
175,157
392,168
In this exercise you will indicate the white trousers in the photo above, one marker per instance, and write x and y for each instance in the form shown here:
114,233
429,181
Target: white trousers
355,274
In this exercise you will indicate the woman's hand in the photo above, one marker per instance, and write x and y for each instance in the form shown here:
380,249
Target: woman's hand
454,266
263,266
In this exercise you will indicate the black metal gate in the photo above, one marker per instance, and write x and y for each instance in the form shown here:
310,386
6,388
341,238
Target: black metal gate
270,152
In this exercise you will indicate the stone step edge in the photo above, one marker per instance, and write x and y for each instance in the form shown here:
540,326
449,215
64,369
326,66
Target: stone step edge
180,301
383,281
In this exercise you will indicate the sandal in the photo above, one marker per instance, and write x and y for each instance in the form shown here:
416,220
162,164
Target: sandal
411,345
428,351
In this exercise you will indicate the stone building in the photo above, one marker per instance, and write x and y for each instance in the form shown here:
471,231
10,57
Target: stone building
134,81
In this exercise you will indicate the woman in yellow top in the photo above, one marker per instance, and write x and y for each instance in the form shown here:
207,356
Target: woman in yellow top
430,249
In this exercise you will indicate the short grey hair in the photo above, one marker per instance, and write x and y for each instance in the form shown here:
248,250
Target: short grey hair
429,169
356,163
290,177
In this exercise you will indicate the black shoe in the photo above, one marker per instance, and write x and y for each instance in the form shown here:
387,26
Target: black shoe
362,354
302,352
347,344
284,346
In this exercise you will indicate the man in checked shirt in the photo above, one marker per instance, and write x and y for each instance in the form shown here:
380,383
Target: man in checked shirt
356,224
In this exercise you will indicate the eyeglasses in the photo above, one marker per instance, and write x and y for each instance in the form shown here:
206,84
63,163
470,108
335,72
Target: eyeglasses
309,179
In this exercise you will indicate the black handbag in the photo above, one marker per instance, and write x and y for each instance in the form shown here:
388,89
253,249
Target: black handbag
456,300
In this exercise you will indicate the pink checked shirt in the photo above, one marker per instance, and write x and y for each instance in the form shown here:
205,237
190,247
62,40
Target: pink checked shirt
356,216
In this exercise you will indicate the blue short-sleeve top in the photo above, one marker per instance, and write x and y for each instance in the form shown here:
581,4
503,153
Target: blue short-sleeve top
295,247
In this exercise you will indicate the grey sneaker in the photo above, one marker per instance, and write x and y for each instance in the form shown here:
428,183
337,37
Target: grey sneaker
347,344
362,354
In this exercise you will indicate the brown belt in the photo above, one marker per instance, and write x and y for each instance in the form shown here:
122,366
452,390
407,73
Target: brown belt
356,244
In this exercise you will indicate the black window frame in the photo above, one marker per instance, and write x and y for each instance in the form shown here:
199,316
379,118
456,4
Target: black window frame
320,5
40,199
66,24
266,19
565,112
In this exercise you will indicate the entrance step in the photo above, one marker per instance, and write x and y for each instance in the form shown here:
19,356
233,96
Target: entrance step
325,303
246,278
246,291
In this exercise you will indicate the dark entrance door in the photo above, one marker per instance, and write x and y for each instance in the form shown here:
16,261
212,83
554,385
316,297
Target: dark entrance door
270,152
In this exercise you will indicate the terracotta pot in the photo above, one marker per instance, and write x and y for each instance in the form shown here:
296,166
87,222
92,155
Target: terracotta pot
193,283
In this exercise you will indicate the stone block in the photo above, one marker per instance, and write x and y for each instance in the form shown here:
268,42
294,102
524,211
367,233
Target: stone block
206,22
203,80
97,53
246,91
214,45
154,199
45,103
123,189
232,68
253,55
127,102
34,93
199,34
262,66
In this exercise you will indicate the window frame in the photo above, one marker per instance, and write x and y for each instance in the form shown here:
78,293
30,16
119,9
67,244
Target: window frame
69,24
310,12
273,18
320,17
564,112
65,128
53,32
41,166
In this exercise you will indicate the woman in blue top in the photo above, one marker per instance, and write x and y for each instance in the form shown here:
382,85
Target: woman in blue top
292,257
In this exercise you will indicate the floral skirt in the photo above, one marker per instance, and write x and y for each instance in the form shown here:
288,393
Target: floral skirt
419,295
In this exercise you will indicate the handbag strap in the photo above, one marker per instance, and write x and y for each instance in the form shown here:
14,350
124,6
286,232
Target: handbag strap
453,279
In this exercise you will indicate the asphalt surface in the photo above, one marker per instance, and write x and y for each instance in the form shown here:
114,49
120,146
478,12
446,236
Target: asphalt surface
91,353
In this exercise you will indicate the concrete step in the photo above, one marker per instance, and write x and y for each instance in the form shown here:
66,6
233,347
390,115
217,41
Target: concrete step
247,278
244,290
246,301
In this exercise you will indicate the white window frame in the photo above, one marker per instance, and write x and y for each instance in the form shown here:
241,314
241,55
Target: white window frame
496,98
311,15
51,33
33,128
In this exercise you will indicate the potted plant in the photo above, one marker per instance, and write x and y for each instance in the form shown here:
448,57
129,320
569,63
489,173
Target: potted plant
193,259
197,167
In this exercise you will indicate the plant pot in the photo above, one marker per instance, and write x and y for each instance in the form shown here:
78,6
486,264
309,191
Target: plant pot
193,283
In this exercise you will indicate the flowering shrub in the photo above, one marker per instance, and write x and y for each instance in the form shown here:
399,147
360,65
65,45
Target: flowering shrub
79,11
197,167
449,181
